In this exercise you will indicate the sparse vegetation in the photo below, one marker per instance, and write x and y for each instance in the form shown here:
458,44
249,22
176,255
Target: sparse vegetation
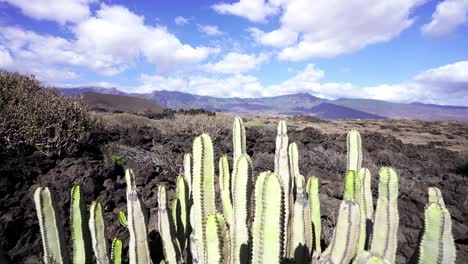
33,115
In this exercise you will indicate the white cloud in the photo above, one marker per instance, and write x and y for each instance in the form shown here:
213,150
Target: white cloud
180,20
322,28
210,30
253,10
235,63
61,11
5,58
448,15
279,38
233,86
109,43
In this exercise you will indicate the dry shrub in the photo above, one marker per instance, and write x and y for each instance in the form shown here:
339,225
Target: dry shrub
124,121
32,115
193,125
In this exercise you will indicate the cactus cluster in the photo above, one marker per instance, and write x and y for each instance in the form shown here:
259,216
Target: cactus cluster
272,218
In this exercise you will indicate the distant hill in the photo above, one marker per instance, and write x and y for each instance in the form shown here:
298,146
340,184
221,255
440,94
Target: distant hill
294,104
120,103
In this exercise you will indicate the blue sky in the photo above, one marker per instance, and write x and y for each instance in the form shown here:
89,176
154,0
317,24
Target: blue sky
397,50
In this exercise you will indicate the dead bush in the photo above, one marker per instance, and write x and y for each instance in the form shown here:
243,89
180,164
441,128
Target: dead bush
33,115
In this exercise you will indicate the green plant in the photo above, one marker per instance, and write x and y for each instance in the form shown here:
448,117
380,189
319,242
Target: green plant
274,220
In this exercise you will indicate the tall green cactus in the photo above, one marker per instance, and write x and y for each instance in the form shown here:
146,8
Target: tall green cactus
188,172
437,244
367,207
225,188
282,170
98,234
202,191
137,223
238,140
353,192
268,219
116,255
52,236
345,238
314,204
294,167
384,238
242,190
79,227
180,211
353,141
301,226
170,244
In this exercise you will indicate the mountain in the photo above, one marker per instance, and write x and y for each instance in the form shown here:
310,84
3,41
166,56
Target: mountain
406,111
120,103
294,104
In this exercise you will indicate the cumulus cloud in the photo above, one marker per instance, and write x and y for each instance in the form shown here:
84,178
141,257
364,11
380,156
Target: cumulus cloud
180,20
235,63
323,29
5,58
253,10
449,14
61,11
210,30
109,43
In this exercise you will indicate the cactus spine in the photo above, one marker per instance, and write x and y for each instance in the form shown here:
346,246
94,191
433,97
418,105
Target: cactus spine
170,245
384,240
242,190
225,189
268,220
52,238
282,170
202,190
353,141
116,255
98,234
137,225
437,244
79,226
314,204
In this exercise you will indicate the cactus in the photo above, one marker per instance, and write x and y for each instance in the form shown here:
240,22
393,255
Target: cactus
353,141
367,207
180,214
384,238
170,245
282,169
137,223
314,204
268,220
217,239
238,140
294,168
98,234
116,255
188,172
79,227
122,218
437,244
353,192
52,236
202,190
343,246
242,190
225,189
301,228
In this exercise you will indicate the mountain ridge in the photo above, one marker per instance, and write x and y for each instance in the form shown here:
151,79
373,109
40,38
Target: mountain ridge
289,104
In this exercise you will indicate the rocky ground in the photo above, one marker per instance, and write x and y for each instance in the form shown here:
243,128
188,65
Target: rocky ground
156,156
